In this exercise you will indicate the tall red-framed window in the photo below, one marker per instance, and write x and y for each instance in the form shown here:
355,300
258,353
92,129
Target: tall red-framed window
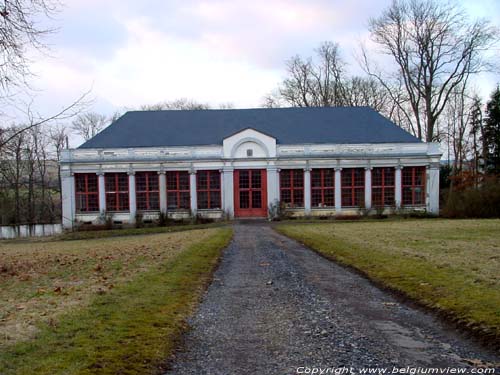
322,188
116,186
178,190
353,187
86,192
413,185
208,189
292,187
383,187
147,191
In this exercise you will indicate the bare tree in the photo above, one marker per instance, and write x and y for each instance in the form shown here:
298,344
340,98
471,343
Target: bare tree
180,104
312,82
88,124
20,28
435,48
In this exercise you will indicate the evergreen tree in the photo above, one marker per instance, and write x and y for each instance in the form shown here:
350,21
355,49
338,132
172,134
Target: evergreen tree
491,139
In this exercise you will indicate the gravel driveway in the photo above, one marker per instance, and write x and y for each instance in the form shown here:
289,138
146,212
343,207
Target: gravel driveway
275,306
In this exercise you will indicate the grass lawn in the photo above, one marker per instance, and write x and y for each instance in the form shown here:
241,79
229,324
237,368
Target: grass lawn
452,266
108,306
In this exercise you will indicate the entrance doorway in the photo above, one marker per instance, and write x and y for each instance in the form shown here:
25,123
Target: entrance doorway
250,193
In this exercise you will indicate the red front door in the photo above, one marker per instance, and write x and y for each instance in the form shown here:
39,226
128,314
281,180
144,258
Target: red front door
250,193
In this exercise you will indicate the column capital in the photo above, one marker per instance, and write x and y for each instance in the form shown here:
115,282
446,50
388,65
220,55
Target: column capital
337,169
161,171
192,171
131,173
368,168
399,167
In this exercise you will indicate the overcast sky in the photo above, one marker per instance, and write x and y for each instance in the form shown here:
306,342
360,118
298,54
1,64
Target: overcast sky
142,52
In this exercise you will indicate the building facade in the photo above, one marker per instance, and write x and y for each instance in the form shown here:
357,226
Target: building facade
246,163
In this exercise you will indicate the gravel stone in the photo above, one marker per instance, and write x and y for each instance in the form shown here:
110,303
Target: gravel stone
275,305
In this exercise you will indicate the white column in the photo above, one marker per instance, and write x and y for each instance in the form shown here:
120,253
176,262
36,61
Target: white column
398,187
338,190
307,191
368,188
193,193
102,193
68,199
163,191
132,203
433,188
228,191
273,186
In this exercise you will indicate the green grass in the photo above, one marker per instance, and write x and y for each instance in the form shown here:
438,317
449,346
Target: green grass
90,234
130,330
448,265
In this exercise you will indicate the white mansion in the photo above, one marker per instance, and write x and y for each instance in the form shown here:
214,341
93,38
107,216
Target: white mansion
241,162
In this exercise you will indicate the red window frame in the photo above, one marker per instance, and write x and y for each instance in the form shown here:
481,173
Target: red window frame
383,186
413,186
292,187
353,187
322,188
117,191
86,192
208,189
147,191
178,190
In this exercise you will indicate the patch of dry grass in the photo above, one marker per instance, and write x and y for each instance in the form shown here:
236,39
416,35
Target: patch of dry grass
449,265
39,281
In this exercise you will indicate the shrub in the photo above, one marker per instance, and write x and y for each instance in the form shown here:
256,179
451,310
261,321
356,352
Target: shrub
482,201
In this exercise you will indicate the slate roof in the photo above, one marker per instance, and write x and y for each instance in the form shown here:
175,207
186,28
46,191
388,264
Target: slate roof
341,125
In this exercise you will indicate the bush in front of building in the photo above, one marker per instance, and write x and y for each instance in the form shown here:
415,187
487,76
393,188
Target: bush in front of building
481,200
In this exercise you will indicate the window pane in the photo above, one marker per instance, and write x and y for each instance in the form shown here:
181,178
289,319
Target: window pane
215,180
298,198
92,185
256,199
389,199
110,181
140,181
316,198
171,180
298,178
359,177
122,181
329,177
346,197
407,195
93,200
202,199
285,178
183,181
359,197
202,179
346,177
215,199
377,196
111,202
329,195
154,201
244,199
244,181
185,200
256,179
80,182
172,200
316,178
123,201
153,181
389,176
141,201
286,196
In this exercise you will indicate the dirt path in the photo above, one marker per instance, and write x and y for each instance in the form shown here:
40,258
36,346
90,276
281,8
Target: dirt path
275,306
